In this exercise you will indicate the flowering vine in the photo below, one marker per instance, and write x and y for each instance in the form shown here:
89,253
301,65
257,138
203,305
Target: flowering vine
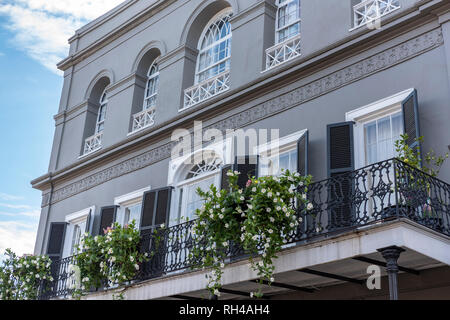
22,278
259,218
112,259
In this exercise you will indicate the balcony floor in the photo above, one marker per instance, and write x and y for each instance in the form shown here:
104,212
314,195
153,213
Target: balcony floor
425,249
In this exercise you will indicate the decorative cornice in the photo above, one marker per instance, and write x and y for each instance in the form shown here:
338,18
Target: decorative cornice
295,97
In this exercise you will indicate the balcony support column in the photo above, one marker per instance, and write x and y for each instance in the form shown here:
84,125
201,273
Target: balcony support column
391,255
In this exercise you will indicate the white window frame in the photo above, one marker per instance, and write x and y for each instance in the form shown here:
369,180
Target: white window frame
285,144
373,111
280,5
180,208
151,77
72,220
128,200
223,13
103,103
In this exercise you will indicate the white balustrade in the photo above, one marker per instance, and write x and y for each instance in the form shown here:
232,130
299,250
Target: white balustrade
368,11
206,89
283,52
144,119
93,143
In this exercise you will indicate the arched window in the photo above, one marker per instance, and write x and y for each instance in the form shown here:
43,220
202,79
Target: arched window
288,19
101,113
201,175
214,47
151,89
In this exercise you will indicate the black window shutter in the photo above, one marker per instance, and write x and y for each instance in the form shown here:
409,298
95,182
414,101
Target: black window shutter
155,208
341,164
224,182
107,218
340,152
155,212
56,240
248,167
302,154
410,107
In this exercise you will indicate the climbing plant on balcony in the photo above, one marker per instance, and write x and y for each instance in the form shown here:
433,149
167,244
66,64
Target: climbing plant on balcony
122,257
21,278
257,218
111,259
271,217
432,163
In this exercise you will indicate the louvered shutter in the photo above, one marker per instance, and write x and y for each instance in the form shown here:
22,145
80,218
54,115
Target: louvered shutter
248,167
107,218
56,240
410,107
302,154
54,252
155,212
224,182
340,159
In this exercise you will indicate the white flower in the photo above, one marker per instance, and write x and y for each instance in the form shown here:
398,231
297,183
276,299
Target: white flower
301,184
211,216
110,251
251,294
272,219
272,279
250,206
222,265
310,206
132,259
225,244
136,266
270,231
292,225
221,216
278,208
263,190
242,198
113,259
227,225
240,191
269,210
254,189
230,174
237,173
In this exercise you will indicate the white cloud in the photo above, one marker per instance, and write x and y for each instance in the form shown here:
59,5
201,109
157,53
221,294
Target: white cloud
9,197
41,28
15,206
31,213
19,237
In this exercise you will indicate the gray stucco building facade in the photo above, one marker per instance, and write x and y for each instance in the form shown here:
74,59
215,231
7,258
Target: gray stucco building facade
346,77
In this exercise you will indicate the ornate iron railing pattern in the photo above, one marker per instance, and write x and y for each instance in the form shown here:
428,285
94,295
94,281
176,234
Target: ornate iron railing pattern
283,52
369,10
93,143
384,191
206,89
144,119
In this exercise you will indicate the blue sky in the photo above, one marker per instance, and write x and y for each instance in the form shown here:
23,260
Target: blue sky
33,38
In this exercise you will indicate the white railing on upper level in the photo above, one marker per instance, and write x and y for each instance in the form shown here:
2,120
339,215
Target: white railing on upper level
93,143
144,119
369,11
206,89
283,52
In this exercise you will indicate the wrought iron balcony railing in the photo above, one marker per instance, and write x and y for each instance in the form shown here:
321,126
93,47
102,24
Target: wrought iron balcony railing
283,52
370,10
144,119
206,89
384,191
93,143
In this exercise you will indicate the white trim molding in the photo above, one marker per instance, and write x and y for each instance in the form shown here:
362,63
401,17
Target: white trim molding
372,111
130,197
